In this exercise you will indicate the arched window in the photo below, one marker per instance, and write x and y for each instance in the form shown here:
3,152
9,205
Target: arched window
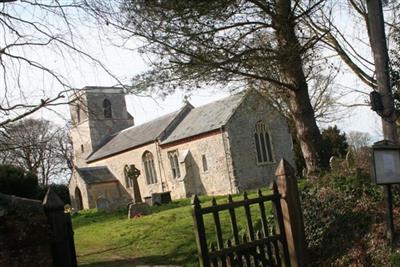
173,160
107,109
263,143
148,163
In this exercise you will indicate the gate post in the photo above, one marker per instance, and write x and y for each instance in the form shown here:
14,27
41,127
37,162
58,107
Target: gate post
62,244
292,214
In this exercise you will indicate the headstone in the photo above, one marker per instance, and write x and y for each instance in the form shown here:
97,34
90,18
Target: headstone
335,163
102,204
332,162
132,174
304,172
350,159
138,209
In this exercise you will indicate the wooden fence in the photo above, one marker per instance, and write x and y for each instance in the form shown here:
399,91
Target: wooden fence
278,243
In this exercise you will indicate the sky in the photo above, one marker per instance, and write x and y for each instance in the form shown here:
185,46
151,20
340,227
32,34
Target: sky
125,63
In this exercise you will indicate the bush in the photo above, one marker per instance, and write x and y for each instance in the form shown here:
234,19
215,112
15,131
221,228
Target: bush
343,217
15,181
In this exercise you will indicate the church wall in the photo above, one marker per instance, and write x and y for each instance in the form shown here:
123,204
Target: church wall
214,181
112,191
117,162
241,128
100,126
81,137
75,182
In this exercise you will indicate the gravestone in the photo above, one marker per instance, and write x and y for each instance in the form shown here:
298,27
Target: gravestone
350,159
137,208
132,174
334,163
102,204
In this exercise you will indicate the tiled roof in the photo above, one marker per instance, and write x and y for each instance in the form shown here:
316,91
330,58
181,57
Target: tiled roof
133,136
175,126
205,118
93,175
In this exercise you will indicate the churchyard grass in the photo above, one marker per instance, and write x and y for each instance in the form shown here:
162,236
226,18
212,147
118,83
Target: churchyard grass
166,237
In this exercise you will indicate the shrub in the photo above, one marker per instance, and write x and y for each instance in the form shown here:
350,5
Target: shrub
15,181
343,217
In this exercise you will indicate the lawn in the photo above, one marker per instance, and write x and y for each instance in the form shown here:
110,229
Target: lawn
166,237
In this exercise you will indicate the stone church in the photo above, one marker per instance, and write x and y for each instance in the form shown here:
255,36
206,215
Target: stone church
223,147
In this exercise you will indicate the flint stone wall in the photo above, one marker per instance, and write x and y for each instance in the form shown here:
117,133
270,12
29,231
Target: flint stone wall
24,233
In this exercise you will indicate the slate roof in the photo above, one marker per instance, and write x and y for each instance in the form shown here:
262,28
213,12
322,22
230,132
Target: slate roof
194,122
133,136
93,175
205,118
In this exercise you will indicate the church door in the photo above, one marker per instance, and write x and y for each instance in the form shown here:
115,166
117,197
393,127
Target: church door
78,199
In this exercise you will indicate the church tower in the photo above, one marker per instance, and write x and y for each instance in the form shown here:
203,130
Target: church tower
96,113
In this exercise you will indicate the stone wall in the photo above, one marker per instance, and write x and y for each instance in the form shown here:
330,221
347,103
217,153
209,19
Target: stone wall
248,173
194,180
24,233
93,127
77,182
216,180
117,162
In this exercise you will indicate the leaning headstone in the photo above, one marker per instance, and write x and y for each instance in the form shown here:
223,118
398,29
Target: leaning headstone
102,204
304,172
332,162
350,159
138,209
335,163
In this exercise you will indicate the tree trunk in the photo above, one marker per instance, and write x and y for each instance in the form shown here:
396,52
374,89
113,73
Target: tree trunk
307,130
291,65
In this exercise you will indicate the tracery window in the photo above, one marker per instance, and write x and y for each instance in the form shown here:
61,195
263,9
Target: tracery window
174,162
148,163
263,143
107,109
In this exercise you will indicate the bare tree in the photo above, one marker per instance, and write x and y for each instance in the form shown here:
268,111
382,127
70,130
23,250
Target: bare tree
39,147
39,42
325,96
352,47
191,44
358,140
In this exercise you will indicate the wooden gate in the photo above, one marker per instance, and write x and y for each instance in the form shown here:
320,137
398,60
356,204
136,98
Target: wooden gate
265,247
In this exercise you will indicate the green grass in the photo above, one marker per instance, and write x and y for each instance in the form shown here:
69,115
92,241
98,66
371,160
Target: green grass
166,237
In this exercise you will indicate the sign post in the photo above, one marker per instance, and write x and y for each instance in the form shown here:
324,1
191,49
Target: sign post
386,165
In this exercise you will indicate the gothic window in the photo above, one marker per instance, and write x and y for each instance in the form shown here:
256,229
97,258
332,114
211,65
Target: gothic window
148,163
107,109
204,161
173,160
263,143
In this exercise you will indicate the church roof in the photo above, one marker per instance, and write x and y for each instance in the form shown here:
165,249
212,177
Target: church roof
133,136
175,126
93,175
205,118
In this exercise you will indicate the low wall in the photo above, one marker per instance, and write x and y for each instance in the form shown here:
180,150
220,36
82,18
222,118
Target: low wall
24,233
